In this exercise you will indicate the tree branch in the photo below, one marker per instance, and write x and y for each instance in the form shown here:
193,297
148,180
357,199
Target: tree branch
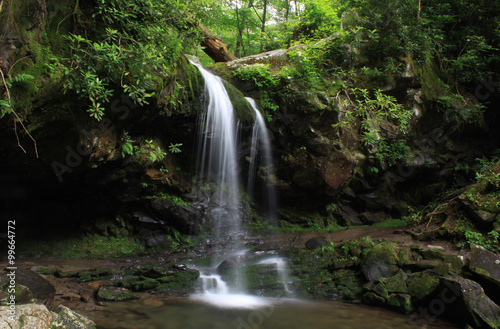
17,118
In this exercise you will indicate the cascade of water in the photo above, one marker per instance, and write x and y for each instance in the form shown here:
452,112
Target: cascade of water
218,167
281,268
260,137
213,283
217,163
217,156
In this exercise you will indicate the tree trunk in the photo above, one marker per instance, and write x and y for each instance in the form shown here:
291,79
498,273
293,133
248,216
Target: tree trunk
264,14
214,47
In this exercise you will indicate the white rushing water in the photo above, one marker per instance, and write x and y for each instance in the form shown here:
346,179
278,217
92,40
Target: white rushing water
260,137
218,167
217,155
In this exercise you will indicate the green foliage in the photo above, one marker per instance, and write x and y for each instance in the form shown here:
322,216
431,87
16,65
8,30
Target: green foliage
124,55
175,148
148,152
259,74
381,117
127,145
461,109
90,245
490,241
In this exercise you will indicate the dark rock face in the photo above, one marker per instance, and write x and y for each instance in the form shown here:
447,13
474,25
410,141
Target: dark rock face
485,263
225,267
484,312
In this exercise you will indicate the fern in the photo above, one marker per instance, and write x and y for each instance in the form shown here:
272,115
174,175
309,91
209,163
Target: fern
21,79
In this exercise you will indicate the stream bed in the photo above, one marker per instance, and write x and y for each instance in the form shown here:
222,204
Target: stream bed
187,313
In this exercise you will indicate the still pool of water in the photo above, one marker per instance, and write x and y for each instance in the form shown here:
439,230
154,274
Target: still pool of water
186,313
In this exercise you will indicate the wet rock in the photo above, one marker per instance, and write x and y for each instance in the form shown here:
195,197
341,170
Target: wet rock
485,263
380,262
71,296
87,294
225,267
115,294
481,308
171,279
316,243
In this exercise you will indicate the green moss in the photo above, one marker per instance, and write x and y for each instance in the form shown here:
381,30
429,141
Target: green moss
243,110
385,252
92,245
422,285
401,302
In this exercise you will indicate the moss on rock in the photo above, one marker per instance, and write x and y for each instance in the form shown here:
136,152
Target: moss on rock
422,285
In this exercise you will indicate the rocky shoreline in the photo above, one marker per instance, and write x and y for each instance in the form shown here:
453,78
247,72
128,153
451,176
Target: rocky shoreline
384,267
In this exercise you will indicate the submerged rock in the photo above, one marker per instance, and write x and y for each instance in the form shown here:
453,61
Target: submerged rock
115,294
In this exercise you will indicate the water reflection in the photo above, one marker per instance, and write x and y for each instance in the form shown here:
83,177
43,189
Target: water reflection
185,313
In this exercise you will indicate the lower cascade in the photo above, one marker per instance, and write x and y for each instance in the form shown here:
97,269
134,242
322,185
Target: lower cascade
225,282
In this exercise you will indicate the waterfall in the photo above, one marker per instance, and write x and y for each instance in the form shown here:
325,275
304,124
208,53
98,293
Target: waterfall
260,137
218,165
218,170
217,156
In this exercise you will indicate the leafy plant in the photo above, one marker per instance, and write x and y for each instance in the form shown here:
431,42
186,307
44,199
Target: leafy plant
175,148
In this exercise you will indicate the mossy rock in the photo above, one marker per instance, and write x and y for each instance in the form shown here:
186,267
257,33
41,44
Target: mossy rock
46,270
138,283
397,283
437,254
170,279
178,283
23,294
422,285
381,261
242,109
372,298
115,294
404,255
401,302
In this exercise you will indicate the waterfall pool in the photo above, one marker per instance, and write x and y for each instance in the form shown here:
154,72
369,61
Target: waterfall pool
190,313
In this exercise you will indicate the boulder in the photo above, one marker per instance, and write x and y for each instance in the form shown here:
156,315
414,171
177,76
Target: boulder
30,316
317,243
42,290
397,283
485,263
402,302
380,262
421,285
481,308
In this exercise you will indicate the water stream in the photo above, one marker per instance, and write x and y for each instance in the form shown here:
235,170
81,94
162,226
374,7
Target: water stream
218,165
261,141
